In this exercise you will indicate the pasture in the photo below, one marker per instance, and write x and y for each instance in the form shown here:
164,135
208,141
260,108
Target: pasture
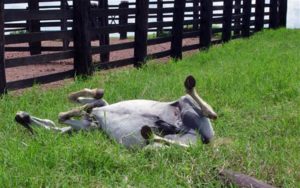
253,85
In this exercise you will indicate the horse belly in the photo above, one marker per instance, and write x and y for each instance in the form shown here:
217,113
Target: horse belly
138,107
123,121
123,128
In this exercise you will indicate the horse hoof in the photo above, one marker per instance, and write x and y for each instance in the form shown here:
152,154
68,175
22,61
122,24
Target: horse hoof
190,83
146,132
23,118
99,93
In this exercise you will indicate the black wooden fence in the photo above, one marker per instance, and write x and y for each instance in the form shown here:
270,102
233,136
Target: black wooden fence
212,21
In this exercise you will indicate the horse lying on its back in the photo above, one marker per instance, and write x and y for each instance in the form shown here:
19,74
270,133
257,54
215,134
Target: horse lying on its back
134,123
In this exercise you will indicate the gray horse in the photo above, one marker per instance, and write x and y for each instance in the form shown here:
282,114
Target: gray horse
136,123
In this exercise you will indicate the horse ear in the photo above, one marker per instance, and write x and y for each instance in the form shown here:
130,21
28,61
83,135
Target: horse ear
190,82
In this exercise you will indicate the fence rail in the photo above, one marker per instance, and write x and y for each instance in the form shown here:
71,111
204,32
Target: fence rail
79,22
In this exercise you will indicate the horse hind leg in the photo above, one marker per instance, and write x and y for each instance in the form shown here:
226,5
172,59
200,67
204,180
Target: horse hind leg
27,121
190,86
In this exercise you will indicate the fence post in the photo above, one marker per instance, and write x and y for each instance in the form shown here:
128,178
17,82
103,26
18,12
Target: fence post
64,27
259,15
104,38
159,17
226,33
2,51
237,21
282,13
274,16
246,18
34,26
123,18
206,23
141,28
196,14
82,39
177,29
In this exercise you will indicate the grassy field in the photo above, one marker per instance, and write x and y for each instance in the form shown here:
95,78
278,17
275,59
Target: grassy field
253,84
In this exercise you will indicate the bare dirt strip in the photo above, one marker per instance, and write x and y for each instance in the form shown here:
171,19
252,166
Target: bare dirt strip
31,71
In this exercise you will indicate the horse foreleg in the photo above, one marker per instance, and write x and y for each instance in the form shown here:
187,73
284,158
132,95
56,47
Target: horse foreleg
85,123
148,134
86,96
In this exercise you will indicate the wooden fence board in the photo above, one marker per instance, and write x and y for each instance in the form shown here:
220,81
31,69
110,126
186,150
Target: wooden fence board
38,36
123,18
259,14
42,24
159,54
141,27
2,51
20,84
246,18
112,47
237,16
196,15
113,29
82,38
160,24
206,23
64,22
103,38
112,12
38,59
274,15
115,64
159,17
34,26
25,1
190,34
177,29
190,47
18,15
227,20
159,40
283,6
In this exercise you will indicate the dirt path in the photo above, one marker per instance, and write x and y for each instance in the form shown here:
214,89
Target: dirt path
30,71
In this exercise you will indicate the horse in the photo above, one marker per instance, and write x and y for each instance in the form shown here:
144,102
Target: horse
136,123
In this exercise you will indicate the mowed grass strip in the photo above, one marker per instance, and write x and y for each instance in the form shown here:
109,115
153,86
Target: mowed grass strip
253,84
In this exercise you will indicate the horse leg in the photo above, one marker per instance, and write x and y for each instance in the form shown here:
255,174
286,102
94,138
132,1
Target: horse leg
87,96
85,123
207,110
148,134
200,126
27,121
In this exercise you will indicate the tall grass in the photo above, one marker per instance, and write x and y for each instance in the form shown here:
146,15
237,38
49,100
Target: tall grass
253,84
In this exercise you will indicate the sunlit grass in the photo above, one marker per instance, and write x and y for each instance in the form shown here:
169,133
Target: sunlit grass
253,84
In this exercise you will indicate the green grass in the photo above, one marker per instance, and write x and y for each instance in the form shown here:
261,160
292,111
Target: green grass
253,84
